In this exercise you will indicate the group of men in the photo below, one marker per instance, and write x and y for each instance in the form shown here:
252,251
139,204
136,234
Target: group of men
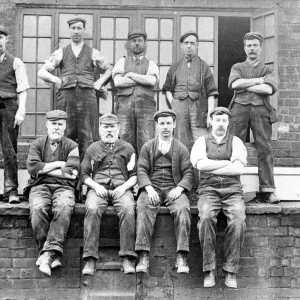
128,153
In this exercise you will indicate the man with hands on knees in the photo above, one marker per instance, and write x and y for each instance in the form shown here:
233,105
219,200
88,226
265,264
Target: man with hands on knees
221,159
165,176
53,164
109,171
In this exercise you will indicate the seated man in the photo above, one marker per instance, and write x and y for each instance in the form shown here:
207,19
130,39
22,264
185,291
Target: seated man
164,176
53,164
109,170
220,158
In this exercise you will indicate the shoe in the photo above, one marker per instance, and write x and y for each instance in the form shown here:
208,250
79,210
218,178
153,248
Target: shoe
143,265
128,266
271,198
89,267
45,260
209,279
181,263
13,199
230,280
56,263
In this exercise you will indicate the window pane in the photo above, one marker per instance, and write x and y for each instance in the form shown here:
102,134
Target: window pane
107,48
28,125
269,47
152,28
107,28
166,28
206,51
44,26
122,25
187,24
41,125
166,53
29,28
270,25
152,51
31,74
44,49
258,25
162,75
30,102
64,27
206,28
29,49
120,50
43,100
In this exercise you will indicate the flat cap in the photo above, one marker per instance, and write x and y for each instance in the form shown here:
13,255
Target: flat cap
134,33
56,115
75,20
165,113
220,110
254,35
108,119
188,33
3,30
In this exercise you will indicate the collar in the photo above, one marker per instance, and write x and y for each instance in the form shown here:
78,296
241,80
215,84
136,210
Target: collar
79,46
257,63
165,141
2,57
222,140
138,57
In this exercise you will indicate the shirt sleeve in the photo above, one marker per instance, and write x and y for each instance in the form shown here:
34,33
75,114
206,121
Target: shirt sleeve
119,67
209,83
34,160
198,151
270,80
153,69
239,151
21,76
235,74
99,60
53,62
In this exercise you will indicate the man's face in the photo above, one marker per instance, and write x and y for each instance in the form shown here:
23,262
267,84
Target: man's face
252,49
56,129
76,32
109,132
3,41
165,127
219,124
189,46
138,45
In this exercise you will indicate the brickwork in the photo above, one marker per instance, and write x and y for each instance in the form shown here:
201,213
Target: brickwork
269,267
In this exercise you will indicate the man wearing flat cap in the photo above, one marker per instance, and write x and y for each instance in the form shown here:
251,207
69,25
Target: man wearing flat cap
221,159
76,89
191,90
165,176
13,94
109,171
135,77
253,83
53,164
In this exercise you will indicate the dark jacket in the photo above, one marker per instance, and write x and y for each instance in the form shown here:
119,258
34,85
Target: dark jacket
181,166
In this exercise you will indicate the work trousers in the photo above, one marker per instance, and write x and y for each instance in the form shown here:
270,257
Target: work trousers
146,217
8,139
95,207
51,207
257,117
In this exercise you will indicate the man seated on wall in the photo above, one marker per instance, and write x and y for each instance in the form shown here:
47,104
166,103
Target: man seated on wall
109,171
165,175
221,159
53,164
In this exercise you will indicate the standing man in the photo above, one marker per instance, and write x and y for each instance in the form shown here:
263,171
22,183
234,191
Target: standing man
53,165
109,171
191,90
253,83
76,87
13,93
164,176
135,77
221,159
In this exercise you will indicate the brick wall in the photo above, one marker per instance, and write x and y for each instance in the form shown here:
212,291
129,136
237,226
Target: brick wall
269,267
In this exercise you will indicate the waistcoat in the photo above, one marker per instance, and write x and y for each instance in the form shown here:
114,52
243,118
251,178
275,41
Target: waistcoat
8,82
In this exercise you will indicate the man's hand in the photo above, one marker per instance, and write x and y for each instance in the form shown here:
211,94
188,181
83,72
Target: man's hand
101,191
118,192
19,117
261,80
58,83
97,85
61,164
129,75
174,194
153,195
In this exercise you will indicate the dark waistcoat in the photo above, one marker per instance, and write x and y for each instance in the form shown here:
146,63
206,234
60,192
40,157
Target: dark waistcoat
8,82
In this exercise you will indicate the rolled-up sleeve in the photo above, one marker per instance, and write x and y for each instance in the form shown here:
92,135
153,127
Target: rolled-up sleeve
119,67
209,83
235,74
34,159
99,60
21,76
153,69
198,151
54,61
239,151
270,80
